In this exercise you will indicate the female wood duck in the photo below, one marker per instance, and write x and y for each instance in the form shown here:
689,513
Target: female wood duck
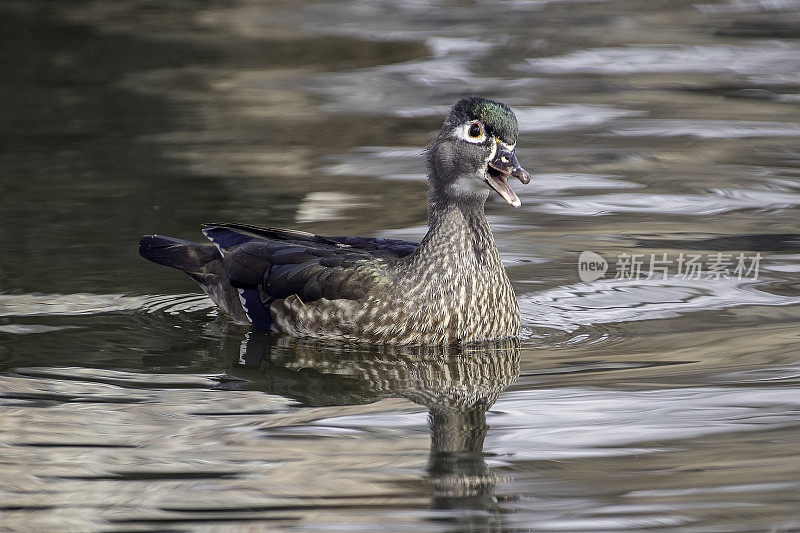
450,288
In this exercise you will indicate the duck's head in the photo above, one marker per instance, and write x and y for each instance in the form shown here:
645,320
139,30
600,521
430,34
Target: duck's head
474,153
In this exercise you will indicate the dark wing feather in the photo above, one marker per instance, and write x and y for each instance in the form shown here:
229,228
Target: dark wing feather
393,247
228,235
281,263
246,263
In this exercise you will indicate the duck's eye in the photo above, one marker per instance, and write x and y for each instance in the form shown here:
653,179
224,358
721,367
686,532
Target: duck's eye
475,130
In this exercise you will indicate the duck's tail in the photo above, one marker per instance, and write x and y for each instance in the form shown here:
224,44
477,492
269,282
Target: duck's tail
203,263
191,257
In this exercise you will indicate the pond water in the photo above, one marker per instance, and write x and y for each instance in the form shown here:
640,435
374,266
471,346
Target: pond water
663,136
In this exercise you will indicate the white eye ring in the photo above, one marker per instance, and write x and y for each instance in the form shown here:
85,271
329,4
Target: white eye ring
466,130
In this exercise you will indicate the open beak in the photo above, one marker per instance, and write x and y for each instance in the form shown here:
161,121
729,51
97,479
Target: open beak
503,165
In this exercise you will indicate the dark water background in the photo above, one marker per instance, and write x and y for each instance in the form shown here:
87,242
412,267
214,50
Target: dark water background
651,127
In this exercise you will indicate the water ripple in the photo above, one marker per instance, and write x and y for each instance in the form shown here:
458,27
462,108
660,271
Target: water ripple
708,129
93,304
553,424
568,116
749,6
714,202
763,60
616,300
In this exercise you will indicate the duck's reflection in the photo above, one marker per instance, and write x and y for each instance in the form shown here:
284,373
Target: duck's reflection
457,385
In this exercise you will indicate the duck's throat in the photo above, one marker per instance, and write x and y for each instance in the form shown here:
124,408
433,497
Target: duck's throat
459,234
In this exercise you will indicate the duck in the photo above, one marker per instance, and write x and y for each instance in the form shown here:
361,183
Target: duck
450,288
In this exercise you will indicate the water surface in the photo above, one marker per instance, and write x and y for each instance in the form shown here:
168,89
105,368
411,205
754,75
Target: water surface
660,401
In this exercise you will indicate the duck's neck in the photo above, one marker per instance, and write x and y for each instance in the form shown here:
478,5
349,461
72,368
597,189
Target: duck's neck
459,233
